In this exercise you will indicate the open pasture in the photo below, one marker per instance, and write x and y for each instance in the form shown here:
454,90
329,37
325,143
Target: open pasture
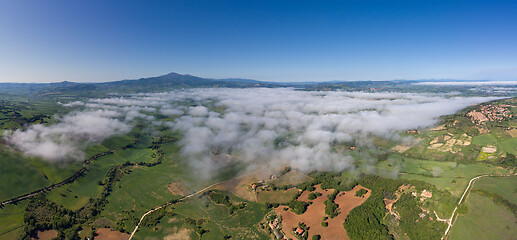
484,220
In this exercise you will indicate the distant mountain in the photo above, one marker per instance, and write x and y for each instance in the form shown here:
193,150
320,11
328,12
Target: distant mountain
241,80
173,81
152,84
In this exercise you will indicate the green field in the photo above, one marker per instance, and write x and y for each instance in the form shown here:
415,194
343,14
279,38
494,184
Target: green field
504,186
509,146
31,173
146,187
76,194
144,182
450,176
11,221
485,139
290,178
28,173
241,225
484,220
278,196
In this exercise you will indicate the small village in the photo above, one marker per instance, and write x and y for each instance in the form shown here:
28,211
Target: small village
490,113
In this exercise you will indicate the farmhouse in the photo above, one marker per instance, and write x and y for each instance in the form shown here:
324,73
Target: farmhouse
426,194
278,235
274,224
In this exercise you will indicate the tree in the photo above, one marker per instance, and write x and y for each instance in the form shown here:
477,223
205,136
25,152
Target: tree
313,196
298,207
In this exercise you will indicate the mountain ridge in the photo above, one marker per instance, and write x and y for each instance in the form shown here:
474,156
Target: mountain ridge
173,80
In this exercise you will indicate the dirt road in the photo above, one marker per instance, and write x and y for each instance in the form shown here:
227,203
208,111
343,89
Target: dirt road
463,197
181,199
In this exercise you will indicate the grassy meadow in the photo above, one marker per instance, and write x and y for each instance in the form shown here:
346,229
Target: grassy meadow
484,220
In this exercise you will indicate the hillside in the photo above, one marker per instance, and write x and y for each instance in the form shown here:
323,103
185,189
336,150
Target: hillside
162,83
174,81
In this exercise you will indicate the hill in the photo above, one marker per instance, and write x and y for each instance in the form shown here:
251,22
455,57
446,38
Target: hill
174,80
152,84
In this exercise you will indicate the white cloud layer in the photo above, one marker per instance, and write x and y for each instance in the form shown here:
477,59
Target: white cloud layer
275,127
470,83
66,139
262,128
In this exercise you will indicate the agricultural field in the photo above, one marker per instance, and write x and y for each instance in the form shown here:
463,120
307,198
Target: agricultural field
296,120
484,220
146,167
218,220
21,112
11,221
316,213
461,139
504,186
278,196
29,173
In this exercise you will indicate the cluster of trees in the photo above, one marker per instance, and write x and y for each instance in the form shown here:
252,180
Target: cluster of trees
498,199
219,198
328,180
128,220
361,192
154,218
158,154
331,208
366,220
271,205
314,195
198,224
222,198
192,221
237,206
43,214
298,207
14,113
412,224
283,187
509,160
156,144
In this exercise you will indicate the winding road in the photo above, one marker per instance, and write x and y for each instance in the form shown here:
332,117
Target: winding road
181,199
463,197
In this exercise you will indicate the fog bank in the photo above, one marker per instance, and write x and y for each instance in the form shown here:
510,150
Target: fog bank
262,128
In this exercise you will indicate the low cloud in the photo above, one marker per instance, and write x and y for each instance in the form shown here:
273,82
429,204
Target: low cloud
276,127
470,83
261,128
67,139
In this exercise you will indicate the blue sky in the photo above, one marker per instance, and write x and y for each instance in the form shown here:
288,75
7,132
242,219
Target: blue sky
72,40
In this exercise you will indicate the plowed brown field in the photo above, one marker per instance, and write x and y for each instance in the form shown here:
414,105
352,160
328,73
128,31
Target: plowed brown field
316,211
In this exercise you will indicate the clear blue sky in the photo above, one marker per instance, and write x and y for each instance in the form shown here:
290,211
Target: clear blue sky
72,40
